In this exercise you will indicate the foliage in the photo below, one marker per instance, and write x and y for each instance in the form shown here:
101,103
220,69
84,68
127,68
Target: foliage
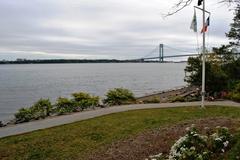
234,153
195,146
219,141
84,100
222,70
24,115
235,94
193,69
177,99
40,109
119,96
152,100
234,33
235,97
64,105
43,108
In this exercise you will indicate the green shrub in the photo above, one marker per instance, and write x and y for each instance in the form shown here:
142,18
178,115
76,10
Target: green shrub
84,100
119,96
64,105
235,97
152,100
237,88
177,99
23,115
42,108
192,99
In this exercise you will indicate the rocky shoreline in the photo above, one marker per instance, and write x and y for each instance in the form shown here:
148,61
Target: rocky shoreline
169,95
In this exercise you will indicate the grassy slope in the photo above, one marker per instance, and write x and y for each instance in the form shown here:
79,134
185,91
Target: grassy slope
77,140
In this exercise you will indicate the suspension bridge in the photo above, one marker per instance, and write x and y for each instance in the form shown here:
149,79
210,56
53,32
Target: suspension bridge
161,54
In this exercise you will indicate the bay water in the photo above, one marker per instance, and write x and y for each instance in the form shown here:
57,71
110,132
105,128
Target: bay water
22,85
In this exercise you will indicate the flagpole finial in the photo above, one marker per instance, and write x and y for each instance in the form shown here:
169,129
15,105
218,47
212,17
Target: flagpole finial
200,2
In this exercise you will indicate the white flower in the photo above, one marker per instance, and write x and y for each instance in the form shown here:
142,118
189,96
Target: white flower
193,148
156,156
218,139
225,144
223,150
195,135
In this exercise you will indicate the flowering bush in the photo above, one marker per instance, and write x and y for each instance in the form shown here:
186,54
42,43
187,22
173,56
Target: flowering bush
190,146
195,146
220,140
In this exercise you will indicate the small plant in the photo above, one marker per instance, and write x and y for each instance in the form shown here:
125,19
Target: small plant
64,105
152,100
235,95
23,115
194,146
41,109
191,146
220,140
84,100
177,99
119,96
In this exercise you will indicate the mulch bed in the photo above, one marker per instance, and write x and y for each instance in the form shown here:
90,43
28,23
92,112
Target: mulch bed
157,141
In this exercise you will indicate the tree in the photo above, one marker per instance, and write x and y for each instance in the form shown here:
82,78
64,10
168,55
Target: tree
234,33
216,77
224,53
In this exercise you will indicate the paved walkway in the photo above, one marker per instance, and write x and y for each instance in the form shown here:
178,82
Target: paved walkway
60,120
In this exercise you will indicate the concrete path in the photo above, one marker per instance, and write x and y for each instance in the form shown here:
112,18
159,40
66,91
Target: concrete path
60,120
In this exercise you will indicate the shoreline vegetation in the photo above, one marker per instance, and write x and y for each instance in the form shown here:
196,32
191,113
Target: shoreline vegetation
84,102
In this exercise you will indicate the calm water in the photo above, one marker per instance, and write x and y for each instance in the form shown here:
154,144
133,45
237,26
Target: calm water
22,85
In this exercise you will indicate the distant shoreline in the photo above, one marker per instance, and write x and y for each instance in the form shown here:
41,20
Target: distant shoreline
77,61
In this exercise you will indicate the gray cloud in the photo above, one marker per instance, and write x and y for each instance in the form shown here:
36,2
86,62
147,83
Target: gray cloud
100,29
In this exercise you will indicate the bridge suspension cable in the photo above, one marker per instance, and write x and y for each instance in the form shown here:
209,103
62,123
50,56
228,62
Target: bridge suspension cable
151,52
177,49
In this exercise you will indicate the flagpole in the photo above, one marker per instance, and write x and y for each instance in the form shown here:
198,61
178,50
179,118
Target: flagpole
203,58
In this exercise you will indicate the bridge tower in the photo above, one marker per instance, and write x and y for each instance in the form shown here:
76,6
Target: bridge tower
161,53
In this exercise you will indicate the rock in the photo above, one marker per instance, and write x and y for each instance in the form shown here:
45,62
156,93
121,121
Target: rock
1,124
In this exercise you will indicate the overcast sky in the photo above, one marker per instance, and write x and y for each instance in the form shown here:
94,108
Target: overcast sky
124,29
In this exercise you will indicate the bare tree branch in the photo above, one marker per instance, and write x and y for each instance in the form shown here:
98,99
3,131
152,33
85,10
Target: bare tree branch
178,7
184,3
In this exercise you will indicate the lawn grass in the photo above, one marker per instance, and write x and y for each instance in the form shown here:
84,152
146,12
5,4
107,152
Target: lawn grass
78,140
